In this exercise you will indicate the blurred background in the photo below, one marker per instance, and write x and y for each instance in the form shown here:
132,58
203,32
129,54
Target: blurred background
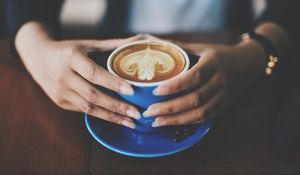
2,23
245,135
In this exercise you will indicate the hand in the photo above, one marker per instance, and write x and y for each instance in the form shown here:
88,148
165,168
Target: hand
221,74
68,75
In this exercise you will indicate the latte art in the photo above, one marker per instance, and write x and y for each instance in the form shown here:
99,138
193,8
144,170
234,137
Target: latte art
146,63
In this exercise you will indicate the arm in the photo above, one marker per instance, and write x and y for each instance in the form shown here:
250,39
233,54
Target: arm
223,72
63,69
285,15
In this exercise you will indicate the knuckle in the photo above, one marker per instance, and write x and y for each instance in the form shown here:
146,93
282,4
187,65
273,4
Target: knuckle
176,87
168,109
61,102
88,108
61,79
195,100
115,119
92,96
171,109
178,121
116,107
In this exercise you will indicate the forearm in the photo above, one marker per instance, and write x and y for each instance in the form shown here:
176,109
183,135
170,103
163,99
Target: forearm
30,39
277,36
254,54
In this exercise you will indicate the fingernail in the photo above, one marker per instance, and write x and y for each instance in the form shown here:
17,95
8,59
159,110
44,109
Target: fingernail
126,90
160,91
147,113
154,91
133,113
128,124
158,123
151,112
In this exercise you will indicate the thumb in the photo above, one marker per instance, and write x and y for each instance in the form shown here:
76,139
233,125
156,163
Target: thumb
194,48
197,75
108,44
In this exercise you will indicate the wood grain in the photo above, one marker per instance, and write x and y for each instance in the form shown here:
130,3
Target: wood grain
36,137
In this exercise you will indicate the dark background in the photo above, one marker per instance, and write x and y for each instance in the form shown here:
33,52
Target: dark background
2,23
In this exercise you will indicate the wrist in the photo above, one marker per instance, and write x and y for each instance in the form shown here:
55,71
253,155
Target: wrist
252,49
31,38
32,35
253,54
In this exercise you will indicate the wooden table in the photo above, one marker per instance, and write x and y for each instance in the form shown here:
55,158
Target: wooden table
38,137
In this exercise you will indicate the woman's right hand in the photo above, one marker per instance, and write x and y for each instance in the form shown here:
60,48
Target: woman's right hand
68,76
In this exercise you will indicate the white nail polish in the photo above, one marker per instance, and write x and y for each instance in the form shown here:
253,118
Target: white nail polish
150,113
157,123
154,92
126,90
146,114
160,91
154,124
128,124
133,113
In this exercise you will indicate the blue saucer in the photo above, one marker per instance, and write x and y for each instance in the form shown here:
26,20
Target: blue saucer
132,143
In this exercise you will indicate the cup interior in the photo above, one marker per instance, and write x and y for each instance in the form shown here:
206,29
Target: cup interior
163,44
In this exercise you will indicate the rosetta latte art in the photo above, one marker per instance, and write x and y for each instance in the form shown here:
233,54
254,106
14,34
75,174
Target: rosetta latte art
147,63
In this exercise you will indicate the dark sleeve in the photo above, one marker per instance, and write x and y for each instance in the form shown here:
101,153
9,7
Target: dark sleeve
19,12
285,13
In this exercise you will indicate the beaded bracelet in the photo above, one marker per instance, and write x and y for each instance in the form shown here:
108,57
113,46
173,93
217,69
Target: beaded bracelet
267,46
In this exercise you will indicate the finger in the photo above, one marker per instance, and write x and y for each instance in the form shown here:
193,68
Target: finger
95,74
195,48
67,102
186,102
198,114
105,45
111,116
95,96
151,37
197,75
77,103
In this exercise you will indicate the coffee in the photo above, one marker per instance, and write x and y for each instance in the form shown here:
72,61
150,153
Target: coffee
145,65
148,62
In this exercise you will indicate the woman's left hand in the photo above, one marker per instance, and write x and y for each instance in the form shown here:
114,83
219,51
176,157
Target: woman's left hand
221,74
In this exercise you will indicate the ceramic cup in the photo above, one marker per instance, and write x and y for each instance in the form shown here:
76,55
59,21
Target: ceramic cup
143,95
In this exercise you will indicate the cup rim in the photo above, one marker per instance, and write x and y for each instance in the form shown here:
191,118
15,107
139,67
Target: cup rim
148,84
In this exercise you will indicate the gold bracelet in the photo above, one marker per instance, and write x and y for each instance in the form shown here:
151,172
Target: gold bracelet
273,60
267,46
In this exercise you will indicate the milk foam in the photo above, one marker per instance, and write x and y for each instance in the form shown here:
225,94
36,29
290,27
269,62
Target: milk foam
147,63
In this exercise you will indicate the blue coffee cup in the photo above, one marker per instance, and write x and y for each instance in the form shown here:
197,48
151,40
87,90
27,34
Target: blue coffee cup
143,95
